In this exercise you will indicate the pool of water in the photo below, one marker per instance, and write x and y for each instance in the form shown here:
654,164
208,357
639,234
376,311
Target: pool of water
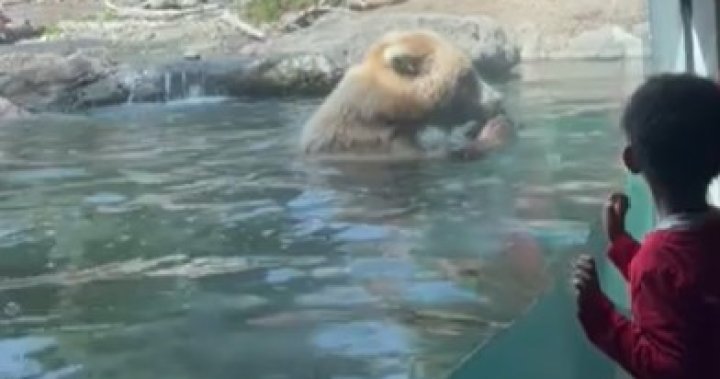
188,240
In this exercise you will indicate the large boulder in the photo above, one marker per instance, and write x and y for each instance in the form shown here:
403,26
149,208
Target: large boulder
297,74
55,82
49,81
277,75
607,42
12,33
342,38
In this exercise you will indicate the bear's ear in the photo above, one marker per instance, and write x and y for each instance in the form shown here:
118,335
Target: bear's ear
407,65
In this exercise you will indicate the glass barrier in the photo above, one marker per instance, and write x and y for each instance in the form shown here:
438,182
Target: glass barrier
166,210
547,342
528,350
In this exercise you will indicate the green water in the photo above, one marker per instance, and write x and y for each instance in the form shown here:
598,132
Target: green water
189,241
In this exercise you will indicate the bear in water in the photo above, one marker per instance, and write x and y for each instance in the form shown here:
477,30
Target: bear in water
406,81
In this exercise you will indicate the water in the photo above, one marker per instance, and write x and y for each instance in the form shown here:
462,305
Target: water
187,240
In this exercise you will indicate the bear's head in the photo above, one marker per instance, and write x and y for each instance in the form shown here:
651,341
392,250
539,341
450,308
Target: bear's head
424,79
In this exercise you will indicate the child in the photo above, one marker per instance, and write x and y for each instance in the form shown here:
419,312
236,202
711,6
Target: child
673,126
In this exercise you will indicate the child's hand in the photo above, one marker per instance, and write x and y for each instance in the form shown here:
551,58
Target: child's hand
585,278
615,211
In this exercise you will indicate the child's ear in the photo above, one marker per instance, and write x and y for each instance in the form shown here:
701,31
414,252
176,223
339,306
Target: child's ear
628,158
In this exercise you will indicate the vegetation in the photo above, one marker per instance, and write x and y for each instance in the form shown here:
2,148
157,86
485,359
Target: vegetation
107,15
52,31
263,11
102,16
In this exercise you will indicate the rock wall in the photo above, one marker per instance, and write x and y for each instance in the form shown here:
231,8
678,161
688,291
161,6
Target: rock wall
342,37
555,29
605,42
309,62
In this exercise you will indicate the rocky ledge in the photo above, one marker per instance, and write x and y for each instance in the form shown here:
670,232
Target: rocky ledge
308,62
57,82
342,37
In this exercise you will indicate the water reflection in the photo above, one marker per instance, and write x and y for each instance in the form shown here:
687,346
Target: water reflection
188,241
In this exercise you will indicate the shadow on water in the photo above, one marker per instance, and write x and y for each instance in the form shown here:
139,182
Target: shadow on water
187,240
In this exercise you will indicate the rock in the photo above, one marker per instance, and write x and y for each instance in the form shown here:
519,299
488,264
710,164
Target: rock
125,84
49,81
365,5
293,21
309,62
342,38
10,111
190,3
291,74
172,4
106,91
143,85
4,20
192,55
607,42
161,4
12,33
530,40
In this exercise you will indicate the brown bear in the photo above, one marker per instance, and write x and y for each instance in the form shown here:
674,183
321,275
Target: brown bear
406,81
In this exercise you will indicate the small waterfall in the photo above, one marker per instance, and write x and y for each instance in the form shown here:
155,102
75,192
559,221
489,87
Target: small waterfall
131,93
131,81
185,81
198,89
168,85
184,84
195,91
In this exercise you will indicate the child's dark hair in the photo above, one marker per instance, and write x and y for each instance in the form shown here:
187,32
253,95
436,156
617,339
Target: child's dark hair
673,124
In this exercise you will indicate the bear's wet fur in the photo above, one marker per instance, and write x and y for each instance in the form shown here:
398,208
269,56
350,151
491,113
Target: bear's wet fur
406,81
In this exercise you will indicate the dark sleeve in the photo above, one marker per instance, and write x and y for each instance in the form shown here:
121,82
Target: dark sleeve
621,253
655,343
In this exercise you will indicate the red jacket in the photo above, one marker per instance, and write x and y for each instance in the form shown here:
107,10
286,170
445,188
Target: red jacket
675,305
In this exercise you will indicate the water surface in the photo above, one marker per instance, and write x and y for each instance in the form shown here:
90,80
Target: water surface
188,240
